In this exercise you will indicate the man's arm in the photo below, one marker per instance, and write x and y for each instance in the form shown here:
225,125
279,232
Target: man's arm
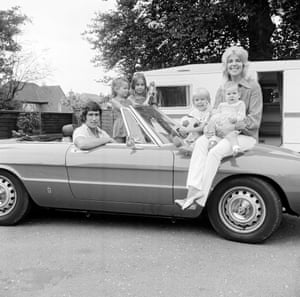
86,143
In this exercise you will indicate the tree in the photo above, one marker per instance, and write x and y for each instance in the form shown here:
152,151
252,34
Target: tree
286,37
26,67
10,26
151,34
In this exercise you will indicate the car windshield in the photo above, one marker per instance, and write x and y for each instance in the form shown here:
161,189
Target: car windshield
161,124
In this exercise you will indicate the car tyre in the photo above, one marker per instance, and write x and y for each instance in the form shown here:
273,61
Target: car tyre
14,200
245,209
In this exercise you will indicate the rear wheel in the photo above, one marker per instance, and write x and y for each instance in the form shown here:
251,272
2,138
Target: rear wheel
245,209
14,200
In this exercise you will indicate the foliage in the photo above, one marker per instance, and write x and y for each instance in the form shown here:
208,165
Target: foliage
75,101
28,122
10,26
286,37
72,101
149,34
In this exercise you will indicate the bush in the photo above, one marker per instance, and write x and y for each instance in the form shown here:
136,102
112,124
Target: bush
28,122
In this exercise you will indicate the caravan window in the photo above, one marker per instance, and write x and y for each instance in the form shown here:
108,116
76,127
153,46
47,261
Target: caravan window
173,96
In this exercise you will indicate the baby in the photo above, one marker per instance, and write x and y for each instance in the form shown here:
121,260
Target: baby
222,122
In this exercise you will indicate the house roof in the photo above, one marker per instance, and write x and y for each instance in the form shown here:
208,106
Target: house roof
32,93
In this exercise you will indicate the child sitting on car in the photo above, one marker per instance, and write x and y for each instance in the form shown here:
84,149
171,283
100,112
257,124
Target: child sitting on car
225,117
191,126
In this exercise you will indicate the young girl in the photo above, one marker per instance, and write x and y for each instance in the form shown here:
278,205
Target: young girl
140,94
120,89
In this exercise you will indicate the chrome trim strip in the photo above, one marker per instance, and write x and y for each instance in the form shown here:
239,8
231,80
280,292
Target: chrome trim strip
97,183
179,188
45,180
122,184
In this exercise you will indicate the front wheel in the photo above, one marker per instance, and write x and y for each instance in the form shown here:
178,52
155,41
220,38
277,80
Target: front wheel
14,200
245,209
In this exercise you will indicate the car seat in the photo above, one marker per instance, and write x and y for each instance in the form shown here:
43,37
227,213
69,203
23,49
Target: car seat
67,132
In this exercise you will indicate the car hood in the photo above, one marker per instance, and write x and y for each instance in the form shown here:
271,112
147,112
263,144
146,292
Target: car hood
269,150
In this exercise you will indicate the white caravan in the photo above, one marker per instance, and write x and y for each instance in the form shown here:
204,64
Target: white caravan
280,82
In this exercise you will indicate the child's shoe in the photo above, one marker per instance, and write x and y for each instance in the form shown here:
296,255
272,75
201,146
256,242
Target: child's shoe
212,143
236,149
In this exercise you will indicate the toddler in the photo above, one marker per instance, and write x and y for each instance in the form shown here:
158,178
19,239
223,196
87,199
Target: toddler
192,125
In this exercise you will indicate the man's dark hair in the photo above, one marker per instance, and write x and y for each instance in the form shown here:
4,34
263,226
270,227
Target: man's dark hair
89,106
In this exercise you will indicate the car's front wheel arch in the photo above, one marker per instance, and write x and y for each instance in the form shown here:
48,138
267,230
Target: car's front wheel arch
245,209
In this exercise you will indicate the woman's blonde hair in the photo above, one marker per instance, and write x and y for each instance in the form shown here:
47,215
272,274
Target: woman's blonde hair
243,55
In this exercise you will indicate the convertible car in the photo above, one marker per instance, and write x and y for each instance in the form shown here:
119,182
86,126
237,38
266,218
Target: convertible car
145,175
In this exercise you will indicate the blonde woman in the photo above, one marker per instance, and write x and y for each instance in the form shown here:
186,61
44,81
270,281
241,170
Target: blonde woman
204,162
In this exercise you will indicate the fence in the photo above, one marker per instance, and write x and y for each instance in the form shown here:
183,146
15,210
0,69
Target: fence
51,122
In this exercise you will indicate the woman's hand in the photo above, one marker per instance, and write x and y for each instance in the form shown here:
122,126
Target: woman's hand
240,125
225,128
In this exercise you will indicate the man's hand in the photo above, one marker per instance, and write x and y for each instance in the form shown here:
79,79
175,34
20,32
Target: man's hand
110,140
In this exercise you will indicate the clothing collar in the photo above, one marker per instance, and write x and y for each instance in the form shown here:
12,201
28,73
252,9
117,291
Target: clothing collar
243,82
98,128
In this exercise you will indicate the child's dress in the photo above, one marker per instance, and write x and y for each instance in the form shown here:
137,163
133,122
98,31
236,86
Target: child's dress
137,99
119,130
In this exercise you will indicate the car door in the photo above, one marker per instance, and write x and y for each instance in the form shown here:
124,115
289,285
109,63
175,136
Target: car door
119,173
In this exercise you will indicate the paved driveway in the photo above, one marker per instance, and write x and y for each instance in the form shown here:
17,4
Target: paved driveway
57,254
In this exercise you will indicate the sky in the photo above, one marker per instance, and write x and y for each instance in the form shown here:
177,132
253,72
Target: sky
54,36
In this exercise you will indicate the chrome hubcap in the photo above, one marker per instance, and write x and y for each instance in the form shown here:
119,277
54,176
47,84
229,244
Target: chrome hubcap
8,196
242,209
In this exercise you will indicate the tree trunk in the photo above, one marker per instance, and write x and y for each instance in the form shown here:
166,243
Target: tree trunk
260,28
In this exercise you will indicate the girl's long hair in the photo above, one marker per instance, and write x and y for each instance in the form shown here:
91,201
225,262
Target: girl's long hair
137,76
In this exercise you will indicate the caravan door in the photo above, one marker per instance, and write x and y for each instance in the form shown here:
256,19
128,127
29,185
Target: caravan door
291,109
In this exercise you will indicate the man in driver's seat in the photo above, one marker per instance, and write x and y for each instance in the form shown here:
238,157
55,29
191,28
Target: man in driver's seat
89,135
